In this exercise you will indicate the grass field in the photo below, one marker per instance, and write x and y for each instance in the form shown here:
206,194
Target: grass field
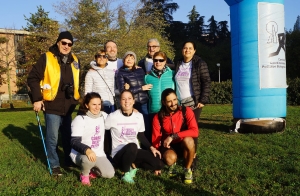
229,164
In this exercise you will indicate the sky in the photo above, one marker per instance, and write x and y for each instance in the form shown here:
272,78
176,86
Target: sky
12,11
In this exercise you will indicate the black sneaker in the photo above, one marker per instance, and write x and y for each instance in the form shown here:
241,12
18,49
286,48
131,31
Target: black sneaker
56,171
96,171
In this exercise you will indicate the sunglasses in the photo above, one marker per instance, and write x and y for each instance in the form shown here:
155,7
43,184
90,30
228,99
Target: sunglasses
65,43
160,60
104,56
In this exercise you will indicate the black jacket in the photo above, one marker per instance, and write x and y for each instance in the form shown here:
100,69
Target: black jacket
135,78
60,105
200,79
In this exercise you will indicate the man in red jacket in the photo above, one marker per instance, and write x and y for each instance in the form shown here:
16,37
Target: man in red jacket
174,131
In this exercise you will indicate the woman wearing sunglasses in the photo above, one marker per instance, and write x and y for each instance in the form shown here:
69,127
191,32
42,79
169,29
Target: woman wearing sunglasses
100,79
161,78
88,140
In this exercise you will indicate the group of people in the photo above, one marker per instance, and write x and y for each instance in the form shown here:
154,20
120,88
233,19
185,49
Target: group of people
149,108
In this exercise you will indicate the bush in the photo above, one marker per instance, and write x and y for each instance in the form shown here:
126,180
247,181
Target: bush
293,91
221,93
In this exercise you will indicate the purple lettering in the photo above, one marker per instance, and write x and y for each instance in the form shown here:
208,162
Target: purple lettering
127,132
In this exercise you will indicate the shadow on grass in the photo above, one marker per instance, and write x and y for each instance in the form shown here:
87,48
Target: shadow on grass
30,138
216,127
16,109
176,185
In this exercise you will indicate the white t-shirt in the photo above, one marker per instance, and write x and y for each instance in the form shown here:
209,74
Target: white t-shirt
182,79
91,131
124,129
114,65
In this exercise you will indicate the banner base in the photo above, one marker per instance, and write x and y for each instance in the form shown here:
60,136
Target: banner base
258,125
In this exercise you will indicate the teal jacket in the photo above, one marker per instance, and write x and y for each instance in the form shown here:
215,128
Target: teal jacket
165,81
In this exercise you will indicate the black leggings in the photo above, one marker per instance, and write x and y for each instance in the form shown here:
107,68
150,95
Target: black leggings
141,158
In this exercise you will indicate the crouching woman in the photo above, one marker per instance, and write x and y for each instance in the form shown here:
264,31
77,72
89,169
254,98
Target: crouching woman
88,140
127,130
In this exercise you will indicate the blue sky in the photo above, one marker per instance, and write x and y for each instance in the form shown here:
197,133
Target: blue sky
12,11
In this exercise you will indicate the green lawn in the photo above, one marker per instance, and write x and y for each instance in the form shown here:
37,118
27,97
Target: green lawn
229,164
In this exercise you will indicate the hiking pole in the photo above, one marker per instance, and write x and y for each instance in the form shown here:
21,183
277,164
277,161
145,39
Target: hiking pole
40,127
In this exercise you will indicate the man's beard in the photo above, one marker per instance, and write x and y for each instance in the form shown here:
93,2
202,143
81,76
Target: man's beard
112,58
173,108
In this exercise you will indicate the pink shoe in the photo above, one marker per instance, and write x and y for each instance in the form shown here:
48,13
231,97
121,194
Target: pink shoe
92,175
85,180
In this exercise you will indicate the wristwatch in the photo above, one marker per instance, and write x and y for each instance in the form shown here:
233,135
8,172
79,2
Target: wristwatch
174,136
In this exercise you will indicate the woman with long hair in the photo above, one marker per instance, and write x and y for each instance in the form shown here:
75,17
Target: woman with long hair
127,131
87,140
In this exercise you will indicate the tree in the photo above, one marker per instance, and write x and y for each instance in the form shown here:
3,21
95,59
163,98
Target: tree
93,22
122,19
89,28
223,31
8,59
293,54
162,5
212,29
193,16
297,24
177,32
195,25
43,33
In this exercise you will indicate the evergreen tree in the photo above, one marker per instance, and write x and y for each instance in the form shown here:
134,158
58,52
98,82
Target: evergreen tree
164,6
195,26
88,25
293,54
43,33
193,16
212,29
297,24
223,31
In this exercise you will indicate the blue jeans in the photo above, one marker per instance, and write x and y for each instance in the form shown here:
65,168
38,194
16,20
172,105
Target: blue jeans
53,124
143,108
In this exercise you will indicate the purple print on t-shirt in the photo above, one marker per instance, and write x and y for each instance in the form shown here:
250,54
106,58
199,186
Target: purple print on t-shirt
127,132
96,138
182,75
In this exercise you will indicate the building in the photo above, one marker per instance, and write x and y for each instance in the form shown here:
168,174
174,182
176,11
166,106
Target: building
10,55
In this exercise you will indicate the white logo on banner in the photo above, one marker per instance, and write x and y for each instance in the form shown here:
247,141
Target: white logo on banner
271,45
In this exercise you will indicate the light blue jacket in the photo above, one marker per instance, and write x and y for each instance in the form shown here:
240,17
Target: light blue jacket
165,81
